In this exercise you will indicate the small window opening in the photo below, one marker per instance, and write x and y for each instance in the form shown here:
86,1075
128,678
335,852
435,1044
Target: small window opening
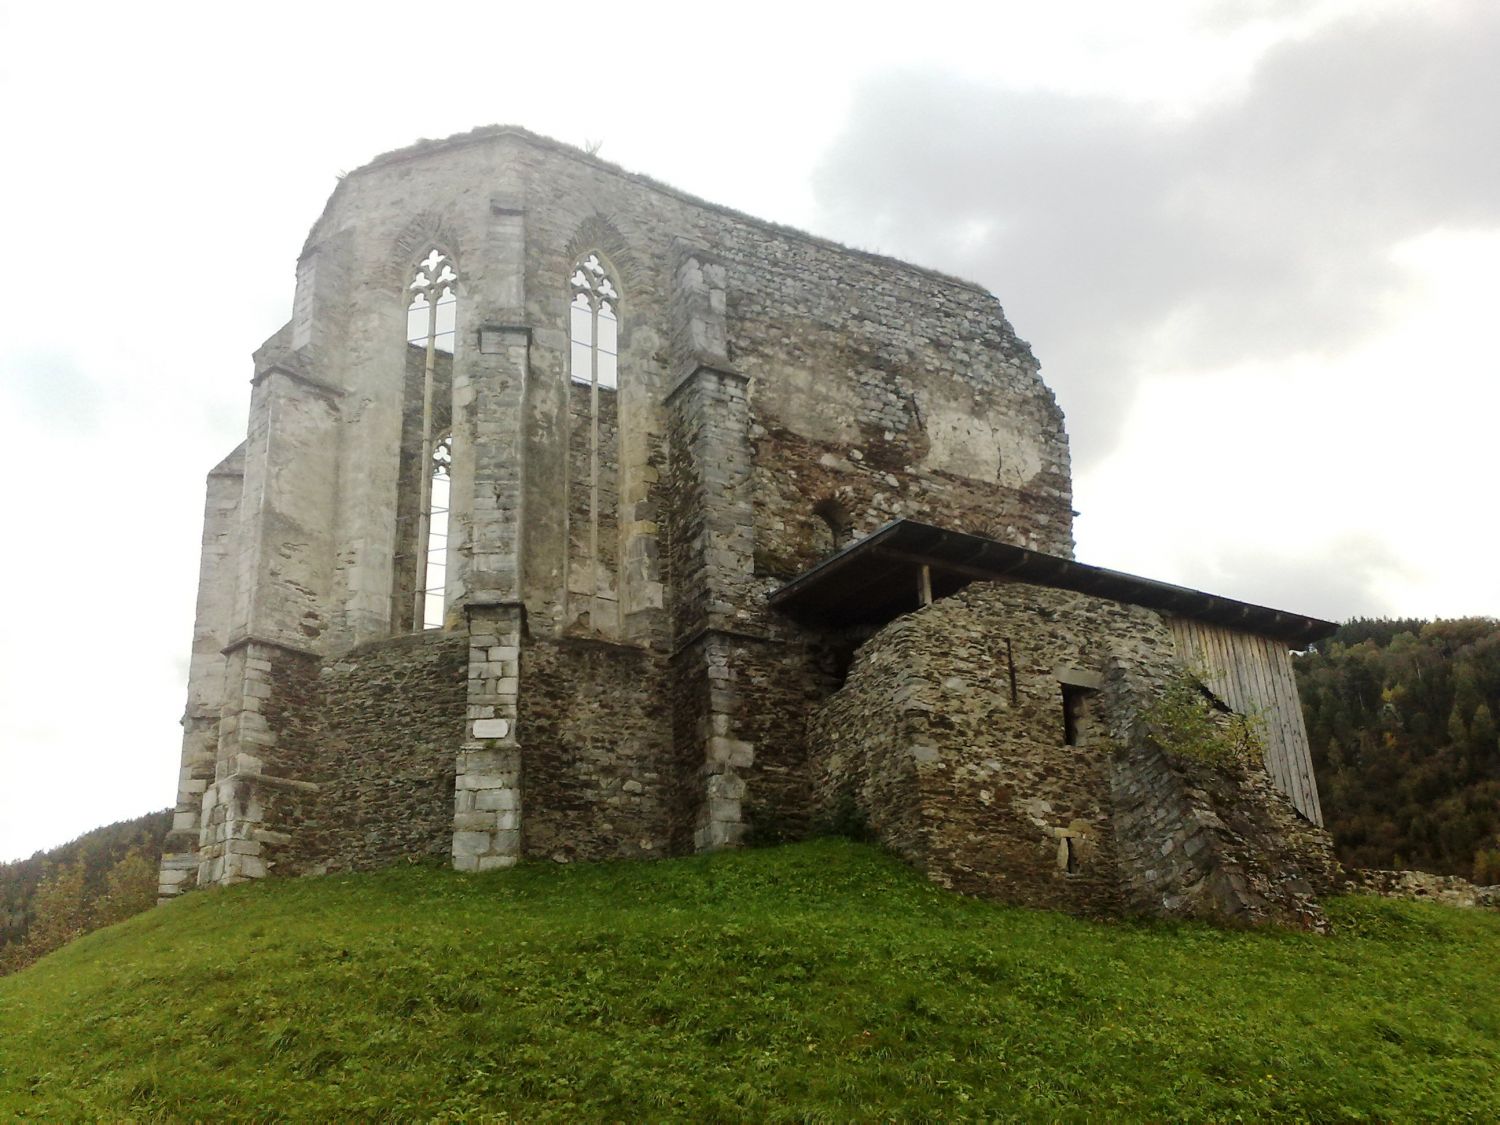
1077,714
1070,854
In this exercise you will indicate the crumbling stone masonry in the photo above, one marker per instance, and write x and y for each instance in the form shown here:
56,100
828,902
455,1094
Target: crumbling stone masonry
952,739
576,518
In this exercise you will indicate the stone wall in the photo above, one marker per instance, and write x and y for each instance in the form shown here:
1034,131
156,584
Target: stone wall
378,735
950,739
775,686
1214,843
1421,886
867,748
360,772
596,757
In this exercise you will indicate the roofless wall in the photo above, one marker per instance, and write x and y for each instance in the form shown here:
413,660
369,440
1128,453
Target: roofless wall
577,426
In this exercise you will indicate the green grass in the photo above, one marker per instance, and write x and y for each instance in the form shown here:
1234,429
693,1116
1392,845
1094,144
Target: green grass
819,982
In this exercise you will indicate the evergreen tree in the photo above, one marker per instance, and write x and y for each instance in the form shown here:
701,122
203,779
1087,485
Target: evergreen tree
1400,717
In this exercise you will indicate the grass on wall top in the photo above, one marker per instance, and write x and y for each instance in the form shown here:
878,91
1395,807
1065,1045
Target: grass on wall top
821,981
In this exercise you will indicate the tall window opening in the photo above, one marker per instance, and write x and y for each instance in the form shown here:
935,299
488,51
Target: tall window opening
431,326
594,325
594,445
438,487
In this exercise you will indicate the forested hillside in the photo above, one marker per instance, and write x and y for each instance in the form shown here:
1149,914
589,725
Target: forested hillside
1401,715
100,878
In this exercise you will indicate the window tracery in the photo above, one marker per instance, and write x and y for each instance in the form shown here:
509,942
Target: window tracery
594,324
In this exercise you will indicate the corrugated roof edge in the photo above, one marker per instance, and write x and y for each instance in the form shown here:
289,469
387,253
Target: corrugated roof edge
1060,573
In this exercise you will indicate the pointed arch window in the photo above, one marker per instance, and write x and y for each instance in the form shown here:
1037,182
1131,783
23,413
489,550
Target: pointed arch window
594,324
432,325
592,570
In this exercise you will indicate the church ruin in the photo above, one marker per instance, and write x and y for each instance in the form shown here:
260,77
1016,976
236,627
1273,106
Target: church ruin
578,519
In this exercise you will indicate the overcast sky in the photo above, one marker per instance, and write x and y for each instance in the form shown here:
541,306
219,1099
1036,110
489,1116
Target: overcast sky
1254,243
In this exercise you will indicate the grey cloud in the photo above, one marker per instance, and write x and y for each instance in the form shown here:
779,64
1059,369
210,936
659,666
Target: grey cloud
49,388
1122,241
1339,582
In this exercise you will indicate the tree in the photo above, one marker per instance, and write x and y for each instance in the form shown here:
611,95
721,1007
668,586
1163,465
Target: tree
1401,720
130,888
60,911
1482,730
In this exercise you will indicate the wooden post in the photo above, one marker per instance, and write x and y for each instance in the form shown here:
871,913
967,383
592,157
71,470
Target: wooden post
924,584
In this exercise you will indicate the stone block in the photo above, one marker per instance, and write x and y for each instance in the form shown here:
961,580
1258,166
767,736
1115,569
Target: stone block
251,867
494,800
729,786
731,752
469,842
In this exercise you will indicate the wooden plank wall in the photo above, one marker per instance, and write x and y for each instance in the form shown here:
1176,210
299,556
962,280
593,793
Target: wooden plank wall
1254,676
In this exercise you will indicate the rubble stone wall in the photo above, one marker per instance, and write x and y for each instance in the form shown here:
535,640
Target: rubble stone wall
376,731
867,746
1203,842
949,737
596,727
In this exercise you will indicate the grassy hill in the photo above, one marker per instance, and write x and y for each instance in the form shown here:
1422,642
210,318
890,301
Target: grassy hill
820,981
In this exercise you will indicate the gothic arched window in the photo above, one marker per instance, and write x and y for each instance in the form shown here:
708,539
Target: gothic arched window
593,446
594,324
431,326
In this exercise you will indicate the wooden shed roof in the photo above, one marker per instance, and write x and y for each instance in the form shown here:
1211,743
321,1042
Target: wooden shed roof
877,579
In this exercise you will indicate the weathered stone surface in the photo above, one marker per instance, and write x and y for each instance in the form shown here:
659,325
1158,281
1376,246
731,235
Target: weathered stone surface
609,679
598,748
977,785
1420,886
